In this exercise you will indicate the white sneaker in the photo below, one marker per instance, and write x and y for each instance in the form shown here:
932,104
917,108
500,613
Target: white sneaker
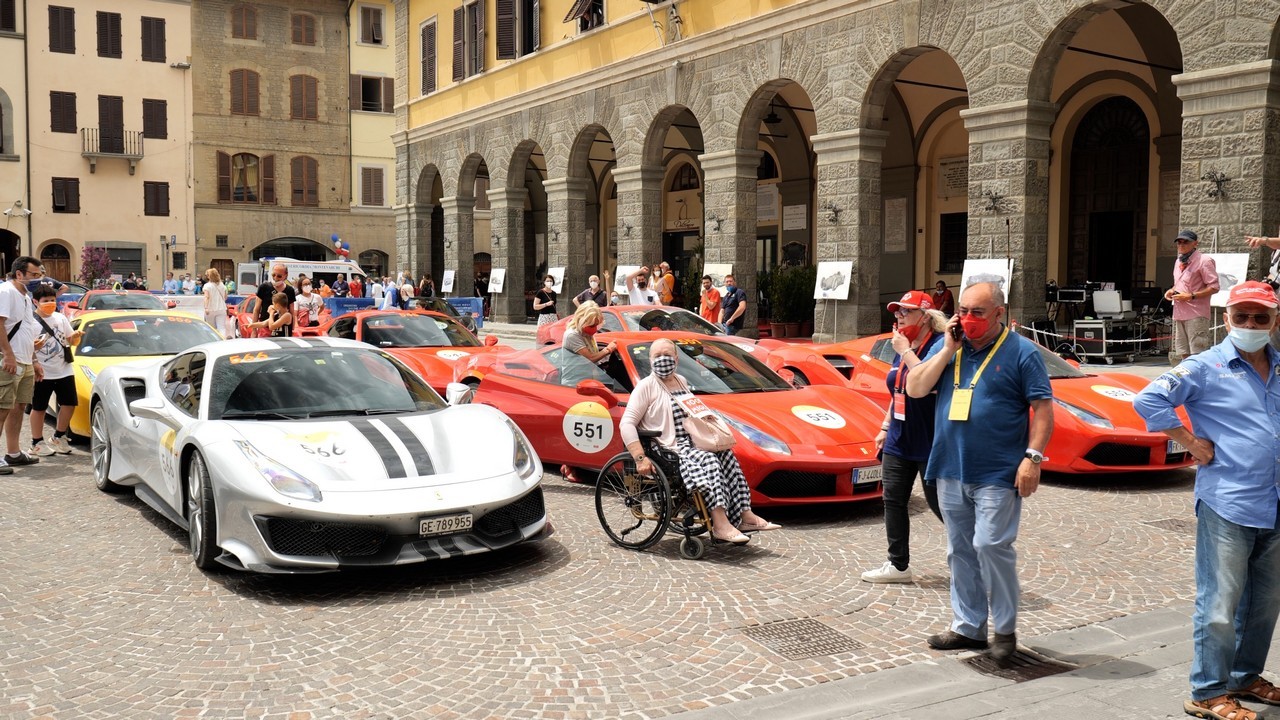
61,445
44,448
887,573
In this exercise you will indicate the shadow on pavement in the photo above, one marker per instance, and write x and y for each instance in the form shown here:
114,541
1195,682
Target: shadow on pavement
1161,482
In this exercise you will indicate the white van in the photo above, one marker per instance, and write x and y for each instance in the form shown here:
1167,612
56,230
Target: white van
252,274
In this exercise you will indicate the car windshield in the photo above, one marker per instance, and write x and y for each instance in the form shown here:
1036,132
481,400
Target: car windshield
290,383
403,331
1057,367
714,367
142,335
123,301
439,305
676,320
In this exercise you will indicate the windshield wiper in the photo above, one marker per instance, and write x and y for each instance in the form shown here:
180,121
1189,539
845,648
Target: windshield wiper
261,415
354,411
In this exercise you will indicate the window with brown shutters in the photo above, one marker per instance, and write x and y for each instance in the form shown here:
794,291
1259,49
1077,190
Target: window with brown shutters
268,179
109,35
244,22
244,92
62,112
428,58
518,28
304,29
153,39
371,187
589,14
373,94
155,119
155,198
66,195
62,29
246,178
224,177
371,25
459,43
111,123
468,40
303,104
303,181
8,15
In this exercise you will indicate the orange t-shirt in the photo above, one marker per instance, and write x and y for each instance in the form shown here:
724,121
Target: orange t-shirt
709,308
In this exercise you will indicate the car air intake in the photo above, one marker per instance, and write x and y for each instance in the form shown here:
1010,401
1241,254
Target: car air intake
1119,454
797,484
510,518
287,536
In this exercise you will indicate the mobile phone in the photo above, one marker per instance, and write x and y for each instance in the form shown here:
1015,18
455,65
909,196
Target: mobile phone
957,332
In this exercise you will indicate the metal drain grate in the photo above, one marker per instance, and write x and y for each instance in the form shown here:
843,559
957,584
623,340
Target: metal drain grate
799,639
1174,525
1021,667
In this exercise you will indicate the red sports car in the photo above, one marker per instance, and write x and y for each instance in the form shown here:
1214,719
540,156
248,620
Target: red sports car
808,445
115,300
663,318
429,342
1095,428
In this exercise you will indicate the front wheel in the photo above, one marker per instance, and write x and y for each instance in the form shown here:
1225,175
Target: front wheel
100,449
692,548
201,513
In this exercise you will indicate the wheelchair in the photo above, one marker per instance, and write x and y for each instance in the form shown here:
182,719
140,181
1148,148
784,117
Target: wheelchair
636,510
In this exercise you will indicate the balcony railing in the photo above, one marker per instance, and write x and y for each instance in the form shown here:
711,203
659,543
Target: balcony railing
97,144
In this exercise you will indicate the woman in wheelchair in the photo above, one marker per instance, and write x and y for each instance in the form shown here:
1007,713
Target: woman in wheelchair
656,405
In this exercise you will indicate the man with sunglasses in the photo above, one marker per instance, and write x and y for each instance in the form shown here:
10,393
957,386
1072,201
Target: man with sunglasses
1232,394
278,282
1195,280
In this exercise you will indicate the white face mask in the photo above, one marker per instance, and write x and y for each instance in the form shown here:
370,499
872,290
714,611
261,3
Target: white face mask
548,283
306,288
595,285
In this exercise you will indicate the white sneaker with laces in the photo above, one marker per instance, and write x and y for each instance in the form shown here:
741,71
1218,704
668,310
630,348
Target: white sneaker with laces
44,448
887,573
61,445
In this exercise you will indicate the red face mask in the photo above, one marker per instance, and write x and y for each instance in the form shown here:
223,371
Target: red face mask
910,332
974,326
590,330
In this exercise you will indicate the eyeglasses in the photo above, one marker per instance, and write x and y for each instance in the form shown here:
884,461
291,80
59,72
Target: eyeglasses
904,312
1258,318
277,277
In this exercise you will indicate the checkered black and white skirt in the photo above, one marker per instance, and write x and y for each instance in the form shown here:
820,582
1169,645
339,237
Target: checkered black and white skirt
717,475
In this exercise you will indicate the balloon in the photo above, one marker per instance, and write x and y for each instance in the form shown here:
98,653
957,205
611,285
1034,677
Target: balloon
334,237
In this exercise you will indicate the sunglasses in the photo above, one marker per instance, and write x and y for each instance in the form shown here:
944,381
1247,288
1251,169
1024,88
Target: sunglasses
1258,318
278,277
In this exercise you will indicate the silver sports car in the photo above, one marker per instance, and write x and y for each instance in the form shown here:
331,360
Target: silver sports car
312,454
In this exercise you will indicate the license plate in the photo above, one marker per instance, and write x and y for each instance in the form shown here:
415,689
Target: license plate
445,524
1175,447
867,475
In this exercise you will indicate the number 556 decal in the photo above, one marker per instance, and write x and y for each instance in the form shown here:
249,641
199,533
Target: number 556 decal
588,427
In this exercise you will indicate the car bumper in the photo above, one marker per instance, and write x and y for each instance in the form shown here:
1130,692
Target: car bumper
1116,452
808,478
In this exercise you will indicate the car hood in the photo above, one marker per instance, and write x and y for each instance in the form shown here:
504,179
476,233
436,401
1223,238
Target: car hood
815,416
387,452
1107,394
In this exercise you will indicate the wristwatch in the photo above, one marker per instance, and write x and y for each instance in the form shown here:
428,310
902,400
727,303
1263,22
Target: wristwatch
1034,456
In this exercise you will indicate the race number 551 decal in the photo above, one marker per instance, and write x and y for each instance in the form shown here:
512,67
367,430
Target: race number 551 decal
822,417
588,427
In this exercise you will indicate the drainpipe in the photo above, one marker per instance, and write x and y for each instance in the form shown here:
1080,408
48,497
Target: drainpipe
26,79
351,187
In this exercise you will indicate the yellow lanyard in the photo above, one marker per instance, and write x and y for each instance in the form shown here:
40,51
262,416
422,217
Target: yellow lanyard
960,353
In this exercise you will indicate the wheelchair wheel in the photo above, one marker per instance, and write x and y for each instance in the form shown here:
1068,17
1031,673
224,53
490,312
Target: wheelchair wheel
685,518
692,548
633,509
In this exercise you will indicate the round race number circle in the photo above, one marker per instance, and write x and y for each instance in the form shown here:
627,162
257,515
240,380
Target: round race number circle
451,354
588,427
822,417
1112,391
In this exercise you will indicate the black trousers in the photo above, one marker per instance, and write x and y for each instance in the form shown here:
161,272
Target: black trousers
899,479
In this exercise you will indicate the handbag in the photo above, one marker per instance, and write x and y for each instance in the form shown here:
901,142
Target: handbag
706,429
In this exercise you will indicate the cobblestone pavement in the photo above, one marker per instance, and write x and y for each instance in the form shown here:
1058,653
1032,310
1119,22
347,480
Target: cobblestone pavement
104,616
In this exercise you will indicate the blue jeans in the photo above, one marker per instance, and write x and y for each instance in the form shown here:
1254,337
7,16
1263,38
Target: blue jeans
1237,601
982,525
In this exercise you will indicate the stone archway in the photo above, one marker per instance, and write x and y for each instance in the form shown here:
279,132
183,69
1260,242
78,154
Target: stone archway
56,258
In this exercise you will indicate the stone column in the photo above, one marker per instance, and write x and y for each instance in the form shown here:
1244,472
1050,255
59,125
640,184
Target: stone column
567,235
1231,125
729,191
1009,155
849,181
509,252
639,213
459,243
406,234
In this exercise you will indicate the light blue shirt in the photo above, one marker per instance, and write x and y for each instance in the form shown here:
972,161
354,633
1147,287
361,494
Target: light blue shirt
1231,407
171,287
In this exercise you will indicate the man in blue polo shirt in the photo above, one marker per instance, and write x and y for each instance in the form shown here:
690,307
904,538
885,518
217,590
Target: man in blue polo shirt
1232,394
986,457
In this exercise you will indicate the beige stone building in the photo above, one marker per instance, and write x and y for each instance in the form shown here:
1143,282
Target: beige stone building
902,136
14,199
274,171
373,155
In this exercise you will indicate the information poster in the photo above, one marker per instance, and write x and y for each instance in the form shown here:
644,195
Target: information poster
446,282
795,217
953,177
558,274
717,271
497,277
1233,269
997,270
834,277
767,199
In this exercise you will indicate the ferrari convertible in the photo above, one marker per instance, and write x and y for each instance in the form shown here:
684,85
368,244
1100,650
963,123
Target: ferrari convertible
309,455
796,446
1095,428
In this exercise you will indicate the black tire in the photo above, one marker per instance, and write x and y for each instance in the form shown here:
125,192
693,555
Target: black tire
201,514
633,510
100,449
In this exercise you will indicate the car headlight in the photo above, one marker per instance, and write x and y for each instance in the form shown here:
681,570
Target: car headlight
91,375
285,481
1085,416
522,458
759,438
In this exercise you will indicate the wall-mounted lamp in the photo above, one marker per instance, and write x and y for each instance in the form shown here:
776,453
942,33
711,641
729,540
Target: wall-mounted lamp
626,229
496,240
555,235
993,201
714,221
1219,180
180,65
16,210
833,212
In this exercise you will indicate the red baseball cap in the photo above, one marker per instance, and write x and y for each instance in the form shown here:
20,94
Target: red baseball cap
913,300
1252,291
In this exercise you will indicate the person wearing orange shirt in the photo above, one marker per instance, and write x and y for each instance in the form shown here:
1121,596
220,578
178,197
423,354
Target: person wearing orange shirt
709,307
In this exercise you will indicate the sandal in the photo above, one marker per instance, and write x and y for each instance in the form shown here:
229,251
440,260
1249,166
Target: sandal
736,539
1223,707
1261,690
758,527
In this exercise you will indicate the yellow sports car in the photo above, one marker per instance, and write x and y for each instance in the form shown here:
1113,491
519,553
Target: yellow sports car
112,337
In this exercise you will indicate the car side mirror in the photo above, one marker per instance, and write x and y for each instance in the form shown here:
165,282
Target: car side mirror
595,388
788,375
459,393
490,340
73,305
151,409
171,304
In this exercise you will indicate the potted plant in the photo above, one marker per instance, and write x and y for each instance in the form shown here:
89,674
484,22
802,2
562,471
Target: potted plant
791,297
807,278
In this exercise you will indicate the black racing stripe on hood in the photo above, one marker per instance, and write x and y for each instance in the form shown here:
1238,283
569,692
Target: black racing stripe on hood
418,451
382,446
280,342
312,342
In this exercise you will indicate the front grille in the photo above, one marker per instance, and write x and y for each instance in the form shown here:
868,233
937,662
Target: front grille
797,484
1105,454
1175,458
287,536
509,518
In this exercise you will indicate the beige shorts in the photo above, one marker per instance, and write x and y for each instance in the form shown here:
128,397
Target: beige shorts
17,389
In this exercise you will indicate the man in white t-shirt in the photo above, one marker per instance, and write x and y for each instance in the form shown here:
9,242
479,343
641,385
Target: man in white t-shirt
638,291
18,374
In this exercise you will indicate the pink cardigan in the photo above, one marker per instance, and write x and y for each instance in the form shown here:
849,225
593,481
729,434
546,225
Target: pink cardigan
649,408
